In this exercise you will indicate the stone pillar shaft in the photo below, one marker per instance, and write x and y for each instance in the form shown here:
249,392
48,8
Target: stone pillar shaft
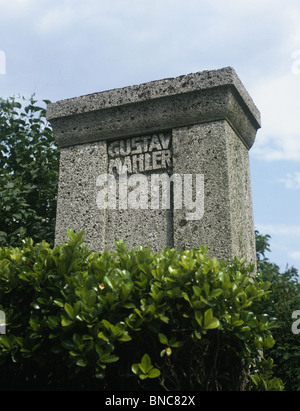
160,164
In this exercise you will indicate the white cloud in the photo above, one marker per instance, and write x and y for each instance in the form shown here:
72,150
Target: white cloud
12,4
292,181
2,62
16,8
284,239
277,98
277,92
279,230
293,14
56,18
295,255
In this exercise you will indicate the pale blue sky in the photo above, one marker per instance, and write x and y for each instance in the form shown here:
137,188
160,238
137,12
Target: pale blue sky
65,48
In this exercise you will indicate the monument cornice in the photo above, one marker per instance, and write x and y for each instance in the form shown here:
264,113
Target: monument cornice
160,105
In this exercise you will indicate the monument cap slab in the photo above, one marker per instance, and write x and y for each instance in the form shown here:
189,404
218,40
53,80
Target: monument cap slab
156,106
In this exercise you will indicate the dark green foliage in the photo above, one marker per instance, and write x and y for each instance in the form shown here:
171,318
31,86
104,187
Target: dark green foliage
28,173
131,320
284,300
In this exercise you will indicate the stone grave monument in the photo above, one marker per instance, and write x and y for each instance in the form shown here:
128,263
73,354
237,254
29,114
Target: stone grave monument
160,164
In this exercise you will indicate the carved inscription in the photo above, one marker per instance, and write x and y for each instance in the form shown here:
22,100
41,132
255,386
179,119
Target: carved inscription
140,154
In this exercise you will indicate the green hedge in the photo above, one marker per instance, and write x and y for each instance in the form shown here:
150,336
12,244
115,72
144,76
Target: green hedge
131,320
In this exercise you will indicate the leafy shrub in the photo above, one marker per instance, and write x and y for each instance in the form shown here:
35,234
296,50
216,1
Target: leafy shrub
131,320
28,172
283,301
